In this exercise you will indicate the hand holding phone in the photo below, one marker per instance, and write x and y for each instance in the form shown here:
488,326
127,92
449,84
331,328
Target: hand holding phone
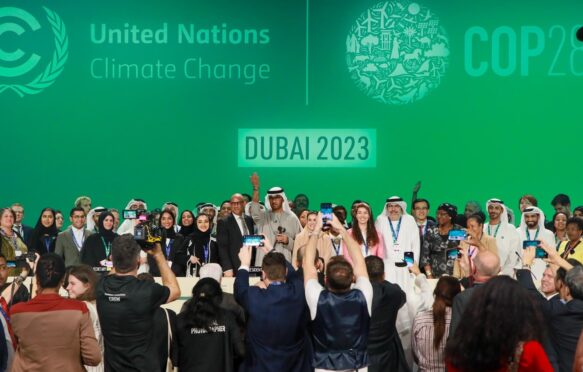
253,240
409,258
453,254
456,235
326,210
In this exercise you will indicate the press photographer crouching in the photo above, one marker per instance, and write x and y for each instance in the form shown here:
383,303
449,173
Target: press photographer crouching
127,306
53,333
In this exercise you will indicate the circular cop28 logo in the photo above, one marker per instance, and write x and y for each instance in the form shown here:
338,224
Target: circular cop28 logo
397,52
13,64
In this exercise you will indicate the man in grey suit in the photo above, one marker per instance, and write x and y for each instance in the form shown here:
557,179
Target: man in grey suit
70,241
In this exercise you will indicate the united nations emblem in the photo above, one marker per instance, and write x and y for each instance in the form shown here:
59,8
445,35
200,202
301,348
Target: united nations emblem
16,66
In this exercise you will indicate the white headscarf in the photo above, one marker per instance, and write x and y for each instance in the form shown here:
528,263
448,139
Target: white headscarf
90,222
533,210
395,200
277,191
504,214
127,226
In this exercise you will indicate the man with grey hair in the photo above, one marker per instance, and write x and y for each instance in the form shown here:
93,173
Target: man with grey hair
564,315
83,202
486,265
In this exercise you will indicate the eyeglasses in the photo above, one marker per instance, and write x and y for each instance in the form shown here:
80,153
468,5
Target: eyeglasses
421,208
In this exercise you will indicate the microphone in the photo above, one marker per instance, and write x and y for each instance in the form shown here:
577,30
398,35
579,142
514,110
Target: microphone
580,34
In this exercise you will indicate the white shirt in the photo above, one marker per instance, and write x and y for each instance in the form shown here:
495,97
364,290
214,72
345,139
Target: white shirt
78,237
240,222
313,290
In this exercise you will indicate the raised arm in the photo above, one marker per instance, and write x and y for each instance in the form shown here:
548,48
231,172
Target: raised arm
310,271
168,277
358,265
255,183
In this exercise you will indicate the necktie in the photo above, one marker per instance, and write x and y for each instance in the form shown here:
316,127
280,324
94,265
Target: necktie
244,225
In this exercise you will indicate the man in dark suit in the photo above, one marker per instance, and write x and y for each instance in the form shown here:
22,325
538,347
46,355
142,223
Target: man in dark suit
385,351
486,266
70,241
230,231
22,230
564,315
277,320
420,210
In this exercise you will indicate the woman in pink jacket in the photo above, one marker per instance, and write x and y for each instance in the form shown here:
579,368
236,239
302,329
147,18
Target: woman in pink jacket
365,233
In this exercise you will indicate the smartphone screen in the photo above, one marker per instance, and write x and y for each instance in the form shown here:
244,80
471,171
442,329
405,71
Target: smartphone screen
453,254
541,253
326,210
253,240
409,258
456,235
129,214
11,264
530,243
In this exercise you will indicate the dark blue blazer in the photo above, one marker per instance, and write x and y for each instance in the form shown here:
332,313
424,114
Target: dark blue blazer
277,322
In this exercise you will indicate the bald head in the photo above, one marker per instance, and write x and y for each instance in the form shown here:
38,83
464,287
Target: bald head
487,264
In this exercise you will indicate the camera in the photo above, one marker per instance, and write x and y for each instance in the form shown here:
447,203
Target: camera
146,232
20,261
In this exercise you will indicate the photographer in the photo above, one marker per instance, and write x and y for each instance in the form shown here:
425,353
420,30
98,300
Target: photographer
127,307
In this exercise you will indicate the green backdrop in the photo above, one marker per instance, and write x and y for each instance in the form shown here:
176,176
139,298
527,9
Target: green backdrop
509,129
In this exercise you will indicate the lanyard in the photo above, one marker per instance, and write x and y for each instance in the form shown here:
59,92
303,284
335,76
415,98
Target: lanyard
75,240
107,247
336,249
169,247
569,249
365,249
535,235
496,231
206,251
395,235
47,241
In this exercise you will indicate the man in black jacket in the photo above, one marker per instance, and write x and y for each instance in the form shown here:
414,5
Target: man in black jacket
230,231
563,316
385,351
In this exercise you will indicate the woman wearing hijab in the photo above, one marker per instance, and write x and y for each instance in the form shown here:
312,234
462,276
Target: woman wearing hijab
96,250
203,247
173,246
186,223
43,236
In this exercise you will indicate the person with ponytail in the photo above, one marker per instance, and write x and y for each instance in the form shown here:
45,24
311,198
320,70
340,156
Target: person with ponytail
431,327
208,336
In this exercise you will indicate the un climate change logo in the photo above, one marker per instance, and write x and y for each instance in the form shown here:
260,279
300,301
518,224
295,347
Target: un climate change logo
54,67
397,52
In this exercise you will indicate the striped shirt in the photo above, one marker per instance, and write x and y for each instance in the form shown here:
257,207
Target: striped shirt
428,358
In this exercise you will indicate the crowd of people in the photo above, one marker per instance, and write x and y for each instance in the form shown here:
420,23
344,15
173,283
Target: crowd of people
480,290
